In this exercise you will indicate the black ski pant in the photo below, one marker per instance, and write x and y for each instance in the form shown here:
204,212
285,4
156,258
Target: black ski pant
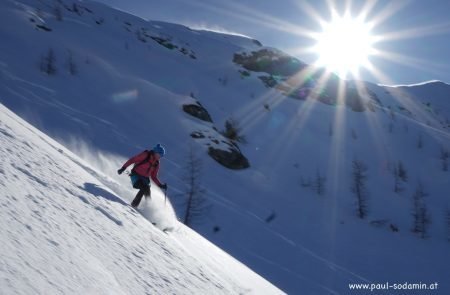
144,190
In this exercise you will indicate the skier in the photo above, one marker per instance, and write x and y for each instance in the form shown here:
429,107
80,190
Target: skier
145,164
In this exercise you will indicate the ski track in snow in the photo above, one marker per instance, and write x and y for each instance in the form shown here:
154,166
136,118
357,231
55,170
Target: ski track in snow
302,248
250,215
443,133
13,77
299,276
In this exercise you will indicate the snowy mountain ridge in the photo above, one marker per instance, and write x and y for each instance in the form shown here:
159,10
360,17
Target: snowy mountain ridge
107,84
432,82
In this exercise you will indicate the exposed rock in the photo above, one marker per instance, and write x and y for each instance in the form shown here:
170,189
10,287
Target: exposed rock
164,42
269,61
197,134
44,28
269,81
198,111
231,159
257,42
300,81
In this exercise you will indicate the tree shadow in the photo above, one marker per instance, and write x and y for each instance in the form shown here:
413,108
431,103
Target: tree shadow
100,192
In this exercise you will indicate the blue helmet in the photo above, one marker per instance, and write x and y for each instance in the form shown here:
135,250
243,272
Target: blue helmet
159,149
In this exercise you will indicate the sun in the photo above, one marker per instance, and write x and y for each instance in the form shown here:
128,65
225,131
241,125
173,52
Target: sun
344,45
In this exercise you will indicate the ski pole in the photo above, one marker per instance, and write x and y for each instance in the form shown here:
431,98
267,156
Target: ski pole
165,197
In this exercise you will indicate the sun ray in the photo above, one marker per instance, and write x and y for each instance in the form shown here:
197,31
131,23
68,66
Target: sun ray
296,123
274,22
404,98
310,102
310,11
415,63
379,75
429,30
301,51
312,97
238,11
254,112
336,159
367,9
374,124
338,134
389,10
251,114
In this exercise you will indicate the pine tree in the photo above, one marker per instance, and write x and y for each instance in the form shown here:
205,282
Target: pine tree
72,67
57,12
397,185
444,158
358,187
196,205
392,114
448,224
420,142
422,218
47,64
402,174
319,183
75,9
233,131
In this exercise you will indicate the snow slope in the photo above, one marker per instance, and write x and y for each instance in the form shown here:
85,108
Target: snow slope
127,94
63,232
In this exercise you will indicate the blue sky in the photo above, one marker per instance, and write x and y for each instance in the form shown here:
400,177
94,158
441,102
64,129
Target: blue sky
420,49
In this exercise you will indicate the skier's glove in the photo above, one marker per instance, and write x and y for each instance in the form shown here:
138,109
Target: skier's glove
164,186
120,171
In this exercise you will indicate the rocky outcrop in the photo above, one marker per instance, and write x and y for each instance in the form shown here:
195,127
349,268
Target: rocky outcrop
225,151
232,159
273,62
300,81
221,149
198,111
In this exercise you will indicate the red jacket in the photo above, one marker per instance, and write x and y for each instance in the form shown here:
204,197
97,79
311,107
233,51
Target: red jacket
148,168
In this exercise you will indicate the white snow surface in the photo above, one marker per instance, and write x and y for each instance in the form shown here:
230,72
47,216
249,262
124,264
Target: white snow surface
64,232
127,95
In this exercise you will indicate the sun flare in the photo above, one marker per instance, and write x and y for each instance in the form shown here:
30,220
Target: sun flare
344,45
